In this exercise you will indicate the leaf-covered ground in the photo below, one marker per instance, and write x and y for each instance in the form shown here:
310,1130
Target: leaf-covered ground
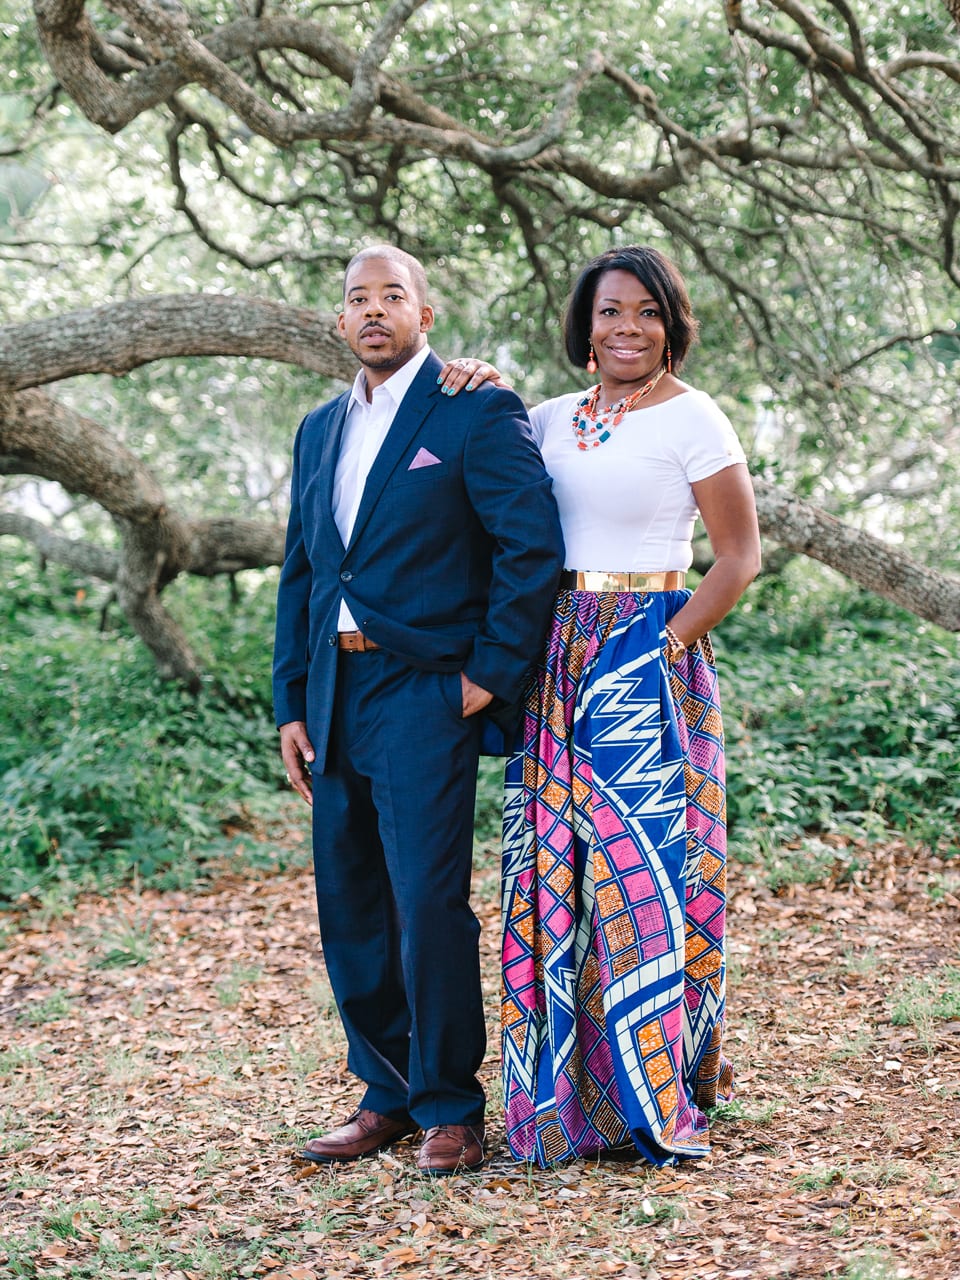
162,1056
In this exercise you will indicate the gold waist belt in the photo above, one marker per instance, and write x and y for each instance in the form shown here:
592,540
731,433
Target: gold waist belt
597,580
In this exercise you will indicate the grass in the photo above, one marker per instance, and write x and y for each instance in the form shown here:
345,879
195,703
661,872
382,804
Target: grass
822,1074
231,990
866,1173
872,1264
126,1067
148,1212
65,1224
944,886
860,959
654,1209
922,1002
320,995
126,943
762,1115
878,1173
50,1009
15,1059
818,1179
853,1045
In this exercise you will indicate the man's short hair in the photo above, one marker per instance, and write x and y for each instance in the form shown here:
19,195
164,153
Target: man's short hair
393,254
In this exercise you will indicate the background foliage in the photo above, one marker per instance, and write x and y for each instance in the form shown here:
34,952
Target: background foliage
108,772
824,274
842,720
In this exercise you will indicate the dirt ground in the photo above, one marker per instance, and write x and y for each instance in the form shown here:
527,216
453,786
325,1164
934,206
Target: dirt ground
163,1055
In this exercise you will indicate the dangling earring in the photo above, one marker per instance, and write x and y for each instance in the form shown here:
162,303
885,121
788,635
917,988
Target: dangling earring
669,359
591,361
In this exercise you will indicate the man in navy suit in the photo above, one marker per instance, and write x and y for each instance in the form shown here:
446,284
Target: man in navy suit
423,552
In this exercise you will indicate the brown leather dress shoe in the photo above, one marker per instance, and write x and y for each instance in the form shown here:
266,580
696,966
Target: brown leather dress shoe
451,1148
361,1134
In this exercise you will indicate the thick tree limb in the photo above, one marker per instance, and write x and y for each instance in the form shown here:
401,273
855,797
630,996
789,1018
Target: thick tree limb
154,82
228,545
149,553
83,557
213,547
874,564
44,438
40,436
126,335
408,118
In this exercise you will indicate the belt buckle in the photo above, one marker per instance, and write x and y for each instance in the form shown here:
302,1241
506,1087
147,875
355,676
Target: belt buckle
598,580
355,642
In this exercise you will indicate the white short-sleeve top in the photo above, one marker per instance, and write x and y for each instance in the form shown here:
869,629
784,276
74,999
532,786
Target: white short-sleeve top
627,505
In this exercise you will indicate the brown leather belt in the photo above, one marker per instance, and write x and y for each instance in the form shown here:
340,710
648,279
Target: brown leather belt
597,580
355,642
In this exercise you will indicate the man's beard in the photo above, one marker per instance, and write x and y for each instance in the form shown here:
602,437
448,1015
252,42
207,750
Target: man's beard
391,360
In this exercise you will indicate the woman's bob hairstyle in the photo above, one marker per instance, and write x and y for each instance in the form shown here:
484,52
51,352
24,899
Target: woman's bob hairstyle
658,274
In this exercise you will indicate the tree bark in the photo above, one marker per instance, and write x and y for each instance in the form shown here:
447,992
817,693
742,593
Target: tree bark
82,557
867,560
122,336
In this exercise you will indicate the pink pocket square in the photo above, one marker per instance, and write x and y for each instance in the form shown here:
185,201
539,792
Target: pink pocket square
424,458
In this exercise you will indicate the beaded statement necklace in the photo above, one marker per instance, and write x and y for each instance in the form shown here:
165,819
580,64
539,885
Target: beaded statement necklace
591,428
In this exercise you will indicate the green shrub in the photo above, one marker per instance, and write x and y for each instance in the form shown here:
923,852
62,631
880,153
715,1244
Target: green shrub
842,715
105,770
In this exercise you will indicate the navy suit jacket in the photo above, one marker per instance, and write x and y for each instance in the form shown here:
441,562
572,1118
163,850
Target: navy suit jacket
451,566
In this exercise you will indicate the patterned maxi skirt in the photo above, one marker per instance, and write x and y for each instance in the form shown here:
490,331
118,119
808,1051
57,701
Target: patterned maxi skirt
614,870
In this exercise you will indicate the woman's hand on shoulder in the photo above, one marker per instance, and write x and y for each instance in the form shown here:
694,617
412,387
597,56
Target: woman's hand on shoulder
469,373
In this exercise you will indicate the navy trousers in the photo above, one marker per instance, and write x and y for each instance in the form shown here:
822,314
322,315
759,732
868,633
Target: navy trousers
393,849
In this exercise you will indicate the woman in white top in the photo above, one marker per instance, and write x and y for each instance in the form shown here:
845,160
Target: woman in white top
614,858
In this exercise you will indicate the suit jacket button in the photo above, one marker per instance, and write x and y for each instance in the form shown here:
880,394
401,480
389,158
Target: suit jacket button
346,576
332,641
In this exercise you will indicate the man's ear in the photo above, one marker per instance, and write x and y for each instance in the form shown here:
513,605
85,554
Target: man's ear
341,325
426,318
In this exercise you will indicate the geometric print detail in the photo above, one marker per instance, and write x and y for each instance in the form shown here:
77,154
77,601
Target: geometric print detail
614,869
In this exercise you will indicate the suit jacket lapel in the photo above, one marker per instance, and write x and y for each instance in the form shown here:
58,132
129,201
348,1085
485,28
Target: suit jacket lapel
415,407
329,453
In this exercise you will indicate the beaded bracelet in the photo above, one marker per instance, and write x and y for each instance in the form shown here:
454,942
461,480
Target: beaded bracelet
675,648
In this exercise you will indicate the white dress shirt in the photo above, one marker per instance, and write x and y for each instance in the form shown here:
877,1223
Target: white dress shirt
364,432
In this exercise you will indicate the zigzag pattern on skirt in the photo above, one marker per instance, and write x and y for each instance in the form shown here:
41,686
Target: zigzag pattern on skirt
614,891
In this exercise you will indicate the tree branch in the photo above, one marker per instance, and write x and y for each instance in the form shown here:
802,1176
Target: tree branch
83,557
122,336
872,563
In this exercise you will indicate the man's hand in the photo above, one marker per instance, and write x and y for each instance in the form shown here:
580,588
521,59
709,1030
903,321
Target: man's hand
473,697
297,754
